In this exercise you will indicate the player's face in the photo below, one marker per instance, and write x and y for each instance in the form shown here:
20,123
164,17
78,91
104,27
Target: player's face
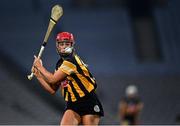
61,46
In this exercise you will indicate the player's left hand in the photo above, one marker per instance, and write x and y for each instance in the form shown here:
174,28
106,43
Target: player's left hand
37,62
35,71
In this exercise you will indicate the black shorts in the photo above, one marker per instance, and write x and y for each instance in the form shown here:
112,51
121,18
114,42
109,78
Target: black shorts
130,119
86,105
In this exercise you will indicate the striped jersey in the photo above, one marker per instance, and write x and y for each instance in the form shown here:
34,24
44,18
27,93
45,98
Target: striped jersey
79,81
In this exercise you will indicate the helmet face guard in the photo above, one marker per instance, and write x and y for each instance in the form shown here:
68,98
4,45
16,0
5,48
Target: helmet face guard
65,37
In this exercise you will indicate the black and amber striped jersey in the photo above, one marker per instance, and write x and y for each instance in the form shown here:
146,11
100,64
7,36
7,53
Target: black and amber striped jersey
79,81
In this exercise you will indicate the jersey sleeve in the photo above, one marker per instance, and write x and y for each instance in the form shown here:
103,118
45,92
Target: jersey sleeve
59,62
68,67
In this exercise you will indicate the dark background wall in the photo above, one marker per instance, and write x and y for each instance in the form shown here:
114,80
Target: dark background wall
123,41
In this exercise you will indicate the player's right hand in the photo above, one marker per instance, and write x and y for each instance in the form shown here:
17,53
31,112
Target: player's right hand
35,71
37,62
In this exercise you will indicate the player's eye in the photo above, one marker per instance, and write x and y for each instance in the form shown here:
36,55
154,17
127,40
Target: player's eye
68,43
60,43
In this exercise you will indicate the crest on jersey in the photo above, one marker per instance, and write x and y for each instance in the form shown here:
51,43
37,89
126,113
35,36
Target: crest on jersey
96,108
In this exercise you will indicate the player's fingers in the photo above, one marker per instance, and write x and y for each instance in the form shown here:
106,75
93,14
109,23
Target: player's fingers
37,63
41,62
36,59
33,69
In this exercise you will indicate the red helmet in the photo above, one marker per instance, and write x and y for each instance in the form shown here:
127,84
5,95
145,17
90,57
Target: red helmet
65,36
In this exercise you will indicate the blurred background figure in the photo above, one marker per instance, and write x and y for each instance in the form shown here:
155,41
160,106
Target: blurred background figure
130,107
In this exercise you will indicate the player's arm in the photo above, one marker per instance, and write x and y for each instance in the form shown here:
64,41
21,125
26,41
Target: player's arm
140,106
50,88
46,86
48,77
122,109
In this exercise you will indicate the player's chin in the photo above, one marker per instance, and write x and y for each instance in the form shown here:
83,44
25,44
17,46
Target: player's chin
59,52
63,54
